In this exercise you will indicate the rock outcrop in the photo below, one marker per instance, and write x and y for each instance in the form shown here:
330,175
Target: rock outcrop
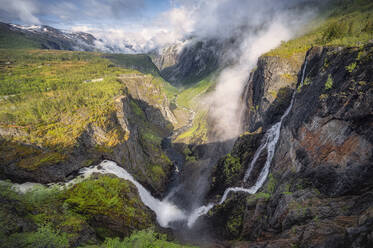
319,192
167,56
196,61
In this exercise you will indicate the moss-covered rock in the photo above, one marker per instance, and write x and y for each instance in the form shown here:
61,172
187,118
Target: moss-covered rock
230,170
110,202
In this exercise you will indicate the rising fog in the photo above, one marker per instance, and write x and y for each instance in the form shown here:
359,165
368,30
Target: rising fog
259,26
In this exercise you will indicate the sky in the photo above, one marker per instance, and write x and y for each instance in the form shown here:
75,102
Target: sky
146,24
68,13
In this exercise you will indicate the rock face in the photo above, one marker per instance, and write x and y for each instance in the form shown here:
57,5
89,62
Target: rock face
196,61
319,192
167,57
130,136
269,89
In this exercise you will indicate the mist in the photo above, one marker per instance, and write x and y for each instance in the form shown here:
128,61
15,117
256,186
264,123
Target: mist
263,27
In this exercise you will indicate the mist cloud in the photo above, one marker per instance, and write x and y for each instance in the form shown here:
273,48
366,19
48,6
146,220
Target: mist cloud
259,27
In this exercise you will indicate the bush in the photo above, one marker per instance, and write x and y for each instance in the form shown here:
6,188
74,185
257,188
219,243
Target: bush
334,31
232,167
329,83
44,237
142,239
350,68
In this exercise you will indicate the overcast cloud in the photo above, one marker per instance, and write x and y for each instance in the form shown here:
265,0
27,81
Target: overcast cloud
142,23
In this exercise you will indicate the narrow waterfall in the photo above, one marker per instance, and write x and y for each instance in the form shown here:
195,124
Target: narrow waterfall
271,138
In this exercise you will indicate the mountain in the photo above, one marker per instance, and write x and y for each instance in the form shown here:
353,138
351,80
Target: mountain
44,37
120,150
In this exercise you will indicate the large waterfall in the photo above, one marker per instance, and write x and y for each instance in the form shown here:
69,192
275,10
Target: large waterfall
271,138
168,212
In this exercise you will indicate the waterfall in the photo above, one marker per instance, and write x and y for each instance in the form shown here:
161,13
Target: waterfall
165,211
271,138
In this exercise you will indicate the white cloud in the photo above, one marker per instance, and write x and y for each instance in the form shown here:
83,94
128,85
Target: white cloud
24,10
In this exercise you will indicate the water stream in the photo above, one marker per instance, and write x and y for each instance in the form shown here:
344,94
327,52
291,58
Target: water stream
166,211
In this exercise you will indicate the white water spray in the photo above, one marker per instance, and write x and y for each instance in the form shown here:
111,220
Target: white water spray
271,139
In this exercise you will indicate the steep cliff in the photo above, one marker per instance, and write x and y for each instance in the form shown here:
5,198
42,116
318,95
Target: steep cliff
318,193
195,61
167,56
121,115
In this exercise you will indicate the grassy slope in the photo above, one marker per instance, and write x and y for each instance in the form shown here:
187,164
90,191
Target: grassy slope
45,93
51,97
139,62
344,23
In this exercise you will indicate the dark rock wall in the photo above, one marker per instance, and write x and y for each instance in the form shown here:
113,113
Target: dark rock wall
319,192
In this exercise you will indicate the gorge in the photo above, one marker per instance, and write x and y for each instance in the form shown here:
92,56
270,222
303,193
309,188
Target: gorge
260,136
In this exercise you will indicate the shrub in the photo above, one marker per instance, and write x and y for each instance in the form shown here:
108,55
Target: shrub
44,237
351,67
329,83
232,167
334,31
145,238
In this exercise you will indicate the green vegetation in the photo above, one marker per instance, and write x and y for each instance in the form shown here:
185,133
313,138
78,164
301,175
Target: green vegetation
158,174
329,83
59,217
232,168
351,67
108,197
345,23
271,184
187,98
44,237
188,154
235,220
145,238
138,62
198,131
307,81
15,40
51,99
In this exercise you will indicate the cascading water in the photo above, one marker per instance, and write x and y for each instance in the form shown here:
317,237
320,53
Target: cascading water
271,138
166,211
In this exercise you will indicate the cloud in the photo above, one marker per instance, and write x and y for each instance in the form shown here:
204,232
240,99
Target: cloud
22,10
71,11
168,28
265,24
